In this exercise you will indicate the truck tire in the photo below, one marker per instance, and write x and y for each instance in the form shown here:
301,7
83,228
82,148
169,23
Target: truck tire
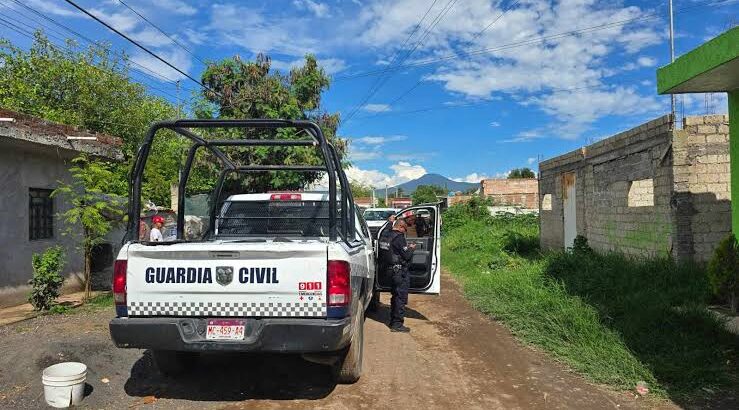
349,366
171,363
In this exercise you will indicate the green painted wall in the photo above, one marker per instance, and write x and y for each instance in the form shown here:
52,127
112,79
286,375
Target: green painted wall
734,151
708,56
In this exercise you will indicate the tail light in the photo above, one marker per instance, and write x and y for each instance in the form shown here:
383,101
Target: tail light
119,282
339,283
285,197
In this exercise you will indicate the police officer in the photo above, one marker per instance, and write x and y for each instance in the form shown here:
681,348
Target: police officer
395,254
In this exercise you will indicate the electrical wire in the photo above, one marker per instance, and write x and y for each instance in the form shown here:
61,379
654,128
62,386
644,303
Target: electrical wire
140,46
143,69
530,41
407,55
174,40
28,34
11,25
479,33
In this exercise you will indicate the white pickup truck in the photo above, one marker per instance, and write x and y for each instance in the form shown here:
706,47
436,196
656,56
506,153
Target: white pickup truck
288,271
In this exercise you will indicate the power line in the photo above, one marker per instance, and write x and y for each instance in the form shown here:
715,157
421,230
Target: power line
377,81
163,32
530,41
143,68
407,55
479,33
137,44
28,34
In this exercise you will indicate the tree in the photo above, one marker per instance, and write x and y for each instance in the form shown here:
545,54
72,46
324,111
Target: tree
521,173
359,190
246,89
92,207
427,194
381,203
90,88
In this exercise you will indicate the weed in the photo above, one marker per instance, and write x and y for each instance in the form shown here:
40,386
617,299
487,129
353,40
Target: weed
616,320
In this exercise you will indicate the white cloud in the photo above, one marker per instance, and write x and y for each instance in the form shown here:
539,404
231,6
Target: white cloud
646,61
363,155
175,6
560,63
248,28
531,160
473,178
495,124
194,36
151,37
176,56
319,9
401,172
376,107
379,140
329,65
53,7
120,21
574,110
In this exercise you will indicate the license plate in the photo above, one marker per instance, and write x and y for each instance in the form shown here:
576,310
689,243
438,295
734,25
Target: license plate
219,329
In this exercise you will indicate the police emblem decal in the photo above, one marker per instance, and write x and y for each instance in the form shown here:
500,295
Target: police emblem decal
224,275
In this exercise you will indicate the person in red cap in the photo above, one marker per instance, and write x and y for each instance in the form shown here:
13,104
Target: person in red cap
156,232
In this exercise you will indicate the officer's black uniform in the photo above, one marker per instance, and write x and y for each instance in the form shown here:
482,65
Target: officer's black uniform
394,258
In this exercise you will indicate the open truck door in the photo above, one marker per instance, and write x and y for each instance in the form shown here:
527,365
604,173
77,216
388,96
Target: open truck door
425,267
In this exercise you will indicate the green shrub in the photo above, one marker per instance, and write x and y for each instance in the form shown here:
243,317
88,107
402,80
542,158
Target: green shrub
475,209
47,280
723,270
580,245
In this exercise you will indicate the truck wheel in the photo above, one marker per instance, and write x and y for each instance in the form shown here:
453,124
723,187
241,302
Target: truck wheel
349,366
172,363
374,303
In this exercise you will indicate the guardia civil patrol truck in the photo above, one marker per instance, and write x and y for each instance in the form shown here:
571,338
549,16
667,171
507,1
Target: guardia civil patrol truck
287,271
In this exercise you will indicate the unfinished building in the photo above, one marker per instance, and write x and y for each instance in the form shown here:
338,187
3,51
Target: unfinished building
649,191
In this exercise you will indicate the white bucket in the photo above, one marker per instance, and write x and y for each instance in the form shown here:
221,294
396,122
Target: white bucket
64,384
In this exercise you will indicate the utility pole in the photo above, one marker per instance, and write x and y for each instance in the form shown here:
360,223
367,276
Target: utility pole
672,59
386,194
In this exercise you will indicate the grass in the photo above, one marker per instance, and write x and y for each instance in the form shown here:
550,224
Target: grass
98,302
615,320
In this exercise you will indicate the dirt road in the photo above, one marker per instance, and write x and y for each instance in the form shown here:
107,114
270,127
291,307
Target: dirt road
453,357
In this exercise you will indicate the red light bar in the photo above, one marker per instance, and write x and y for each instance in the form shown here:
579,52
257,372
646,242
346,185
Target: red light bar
286,197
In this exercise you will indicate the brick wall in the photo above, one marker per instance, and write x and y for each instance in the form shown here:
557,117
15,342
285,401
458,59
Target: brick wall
646,191
521,192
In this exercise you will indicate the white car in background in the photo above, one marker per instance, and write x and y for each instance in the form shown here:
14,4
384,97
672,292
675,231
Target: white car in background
376,218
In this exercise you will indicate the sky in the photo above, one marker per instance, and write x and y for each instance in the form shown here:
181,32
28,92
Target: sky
469,89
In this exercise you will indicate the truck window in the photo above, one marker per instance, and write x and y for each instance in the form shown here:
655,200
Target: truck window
274,218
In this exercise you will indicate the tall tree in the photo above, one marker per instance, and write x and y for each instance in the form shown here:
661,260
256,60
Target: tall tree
427,194
360,190
251,89
521,173
90,88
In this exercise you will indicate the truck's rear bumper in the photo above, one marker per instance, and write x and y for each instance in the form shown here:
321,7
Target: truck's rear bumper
262,335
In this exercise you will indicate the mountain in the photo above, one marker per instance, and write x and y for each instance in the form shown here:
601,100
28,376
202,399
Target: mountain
429,179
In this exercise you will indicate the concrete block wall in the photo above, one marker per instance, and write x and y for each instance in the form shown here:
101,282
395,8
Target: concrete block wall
648,191
702,190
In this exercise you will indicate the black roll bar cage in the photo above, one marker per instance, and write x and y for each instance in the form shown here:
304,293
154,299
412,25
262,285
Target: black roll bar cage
331,160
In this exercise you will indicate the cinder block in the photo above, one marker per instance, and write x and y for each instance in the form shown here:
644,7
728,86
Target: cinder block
707,129
687,121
